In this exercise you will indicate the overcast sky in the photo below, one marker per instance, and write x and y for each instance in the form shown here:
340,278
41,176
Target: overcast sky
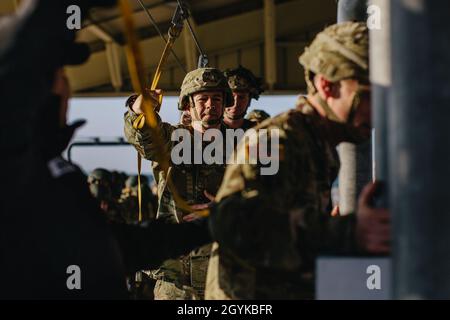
105,120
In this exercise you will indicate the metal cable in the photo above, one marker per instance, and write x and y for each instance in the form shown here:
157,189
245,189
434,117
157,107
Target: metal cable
192,31
153,21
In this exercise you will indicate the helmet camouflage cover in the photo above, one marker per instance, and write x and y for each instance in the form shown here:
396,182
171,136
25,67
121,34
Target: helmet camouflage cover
258,115
341,51
204,79
242,79
100,174
99,181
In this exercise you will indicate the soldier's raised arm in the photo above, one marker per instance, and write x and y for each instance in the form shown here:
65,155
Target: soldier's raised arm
141,137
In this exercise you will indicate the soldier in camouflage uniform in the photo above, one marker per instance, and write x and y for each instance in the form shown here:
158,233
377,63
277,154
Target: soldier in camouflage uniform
271,228
129,200
117,183
100,185
99,181
245,87
205,93
258,116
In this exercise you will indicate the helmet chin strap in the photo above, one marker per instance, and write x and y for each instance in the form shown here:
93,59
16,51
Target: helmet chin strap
352,134
355,103
332,115
328,111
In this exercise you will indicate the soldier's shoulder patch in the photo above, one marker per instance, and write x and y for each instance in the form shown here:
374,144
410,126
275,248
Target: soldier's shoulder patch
59,167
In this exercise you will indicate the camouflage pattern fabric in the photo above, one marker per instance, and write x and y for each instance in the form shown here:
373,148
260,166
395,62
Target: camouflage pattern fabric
339,52
271,228
242,79
129,204
257,116
279,223
100,186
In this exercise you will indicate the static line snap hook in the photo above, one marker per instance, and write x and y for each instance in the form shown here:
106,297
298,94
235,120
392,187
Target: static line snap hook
181,14
203,61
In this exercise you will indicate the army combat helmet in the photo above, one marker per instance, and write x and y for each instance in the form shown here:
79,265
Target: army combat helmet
242,79
339,52
204,79
258,116
99,181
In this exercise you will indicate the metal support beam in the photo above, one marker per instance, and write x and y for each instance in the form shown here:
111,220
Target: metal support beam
100,33
352,10
270,50
112,56
356,160
190,51
136,9
380,74
419,148
16,4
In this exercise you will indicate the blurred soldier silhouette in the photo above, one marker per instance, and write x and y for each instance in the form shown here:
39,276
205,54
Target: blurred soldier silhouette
50,221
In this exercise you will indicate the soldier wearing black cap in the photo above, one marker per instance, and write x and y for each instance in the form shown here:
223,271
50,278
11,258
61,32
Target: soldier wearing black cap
51,224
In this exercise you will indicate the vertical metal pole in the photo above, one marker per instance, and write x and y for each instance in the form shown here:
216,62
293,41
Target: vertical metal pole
351,10
380,75
112,56
114,67
270,49
419,148
356,161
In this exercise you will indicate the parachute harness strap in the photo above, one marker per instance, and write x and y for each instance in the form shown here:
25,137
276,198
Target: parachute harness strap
139,164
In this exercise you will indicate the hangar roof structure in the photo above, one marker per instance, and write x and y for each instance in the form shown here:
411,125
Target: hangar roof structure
265,36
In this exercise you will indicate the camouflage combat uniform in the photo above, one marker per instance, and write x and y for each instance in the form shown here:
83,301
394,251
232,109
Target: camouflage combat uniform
271,228
100,186
129,203
183,278
257,116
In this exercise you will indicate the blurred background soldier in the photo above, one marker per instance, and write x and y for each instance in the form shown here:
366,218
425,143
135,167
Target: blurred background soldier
141,283
271,228
245,87
204,93
258,116
101,187
99,181
117,183
129,200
